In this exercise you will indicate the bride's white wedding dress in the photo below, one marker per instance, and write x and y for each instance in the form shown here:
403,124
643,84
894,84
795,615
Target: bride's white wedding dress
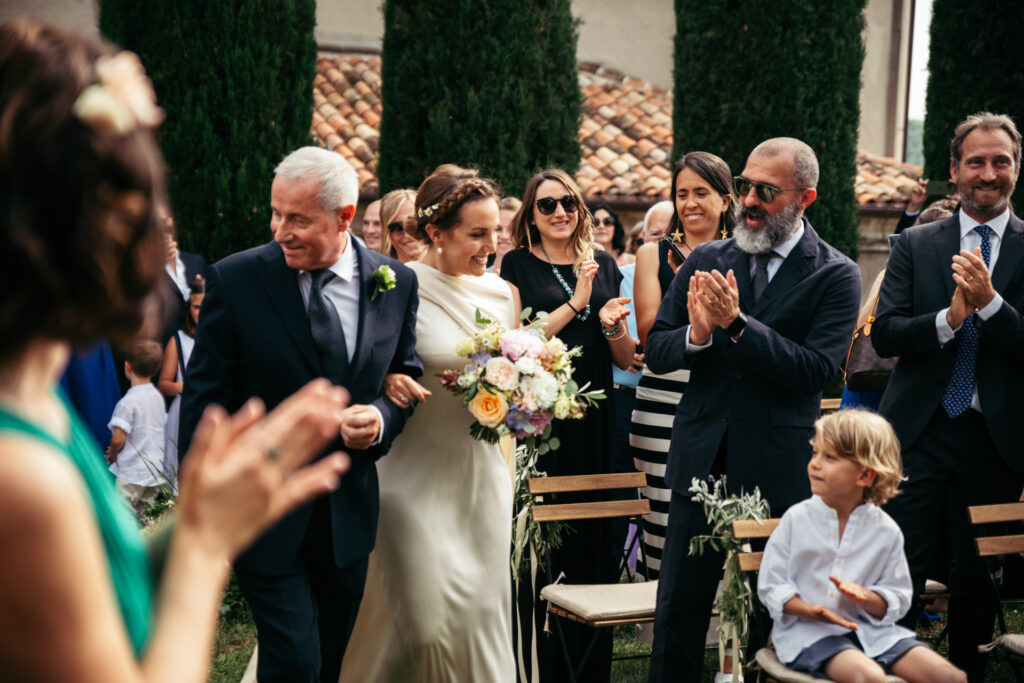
438,591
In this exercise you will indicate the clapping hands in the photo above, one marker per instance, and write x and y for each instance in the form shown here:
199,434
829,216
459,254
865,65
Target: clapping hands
713,300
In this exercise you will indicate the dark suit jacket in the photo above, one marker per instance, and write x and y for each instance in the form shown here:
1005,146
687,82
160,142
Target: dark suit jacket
762,392
254,340
918,284
173,305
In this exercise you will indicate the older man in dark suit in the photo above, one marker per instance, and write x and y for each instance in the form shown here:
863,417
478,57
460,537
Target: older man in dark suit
762,321
311,303
950,308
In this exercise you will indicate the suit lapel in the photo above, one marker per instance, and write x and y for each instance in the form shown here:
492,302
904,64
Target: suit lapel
796,266
1011,255
368,310
946,242
282,288
739,261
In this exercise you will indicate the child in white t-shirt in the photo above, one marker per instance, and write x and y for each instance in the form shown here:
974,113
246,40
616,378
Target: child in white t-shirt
136,452
834,576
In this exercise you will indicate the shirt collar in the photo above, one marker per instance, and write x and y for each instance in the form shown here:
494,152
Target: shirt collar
997,224
783,249
345,266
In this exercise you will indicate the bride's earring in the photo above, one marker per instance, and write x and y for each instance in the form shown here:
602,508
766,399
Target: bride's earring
440,251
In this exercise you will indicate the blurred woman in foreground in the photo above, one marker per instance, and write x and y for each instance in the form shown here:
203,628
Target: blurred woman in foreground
80,252
395,207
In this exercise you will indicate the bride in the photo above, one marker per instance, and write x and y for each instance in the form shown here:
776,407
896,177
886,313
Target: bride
438,592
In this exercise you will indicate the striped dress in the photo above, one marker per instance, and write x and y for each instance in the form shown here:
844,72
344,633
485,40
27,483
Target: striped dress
650,434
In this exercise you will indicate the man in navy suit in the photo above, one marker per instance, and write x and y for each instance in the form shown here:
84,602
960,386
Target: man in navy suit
308,305
950,308
762,321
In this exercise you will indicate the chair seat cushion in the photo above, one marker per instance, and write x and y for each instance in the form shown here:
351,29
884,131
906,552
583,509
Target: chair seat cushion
770,664
604,601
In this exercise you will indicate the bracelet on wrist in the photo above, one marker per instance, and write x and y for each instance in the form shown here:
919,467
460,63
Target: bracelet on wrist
614,339
611,333
569,304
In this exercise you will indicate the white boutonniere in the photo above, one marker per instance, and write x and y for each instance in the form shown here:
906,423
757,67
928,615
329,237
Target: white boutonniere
383,280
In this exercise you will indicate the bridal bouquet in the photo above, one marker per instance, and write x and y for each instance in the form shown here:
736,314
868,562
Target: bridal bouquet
516,382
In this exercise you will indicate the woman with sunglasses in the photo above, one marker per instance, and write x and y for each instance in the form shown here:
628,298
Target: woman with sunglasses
81,250
609,233
395,207
702,194
556,269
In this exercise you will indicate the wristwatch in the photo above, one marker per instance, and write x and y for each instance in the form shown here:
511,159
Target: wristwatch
737,325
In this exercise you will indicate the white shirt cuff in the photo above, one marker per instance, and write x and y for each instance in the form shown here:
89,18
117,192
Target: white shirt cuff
991,308
944,332
124,425
693,348
380,433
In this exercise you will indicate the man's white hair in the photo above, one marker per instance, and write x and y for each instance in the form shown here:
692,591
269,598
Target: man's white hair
660,206
339,185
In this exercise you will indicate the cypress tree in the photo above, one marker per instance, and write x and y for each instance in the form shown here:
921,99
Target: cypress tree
980,70
748,70
235,78
487,83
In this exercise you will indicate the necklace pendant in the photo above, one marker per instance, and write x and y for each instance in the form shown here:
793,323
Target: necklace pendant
679,236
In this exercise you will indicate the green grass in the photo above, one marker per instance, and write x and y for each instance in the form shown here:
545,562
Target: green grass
236,639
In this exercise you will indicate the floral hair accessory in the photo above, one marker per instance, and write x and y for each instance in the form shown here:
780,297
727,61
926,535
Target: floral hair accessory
383,280
121,98
428,212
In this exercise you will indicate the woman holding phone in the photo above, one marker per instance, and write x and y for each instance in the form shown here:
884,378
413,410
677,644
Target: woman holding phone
702,194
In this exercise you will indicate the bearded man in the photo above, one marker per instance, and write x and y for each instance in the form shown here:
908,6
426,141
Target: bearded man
950,308
762,321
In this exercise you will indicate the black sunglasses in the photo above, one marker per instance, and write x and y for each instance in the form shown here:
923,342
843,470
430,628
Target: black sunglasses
547,205
765,192
604,221
395,226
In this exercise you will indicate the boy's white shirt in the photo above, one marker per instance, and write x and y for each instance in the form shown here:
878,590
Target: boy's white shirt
141,414
806,549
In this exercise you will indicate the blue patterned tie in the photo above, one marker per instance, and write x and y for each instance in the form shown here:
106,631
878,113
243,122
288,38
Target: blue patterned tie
760,282
325,326
960,390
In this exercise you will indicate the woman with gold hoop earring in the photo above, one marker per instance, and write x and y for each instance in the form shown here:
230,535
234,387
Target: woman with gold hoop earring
703,198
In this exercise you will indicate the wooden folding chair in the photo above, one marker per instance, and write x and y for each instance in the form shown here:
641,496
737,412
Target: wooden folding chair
750,561
602,605
1010,517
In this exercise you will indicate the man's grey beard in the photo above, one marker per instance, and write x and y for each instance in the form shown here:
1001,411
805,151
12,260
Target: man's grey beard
777,229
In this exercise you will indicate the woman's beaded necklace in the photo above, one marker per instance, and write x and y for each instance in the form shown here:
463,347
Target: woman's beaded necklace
582,317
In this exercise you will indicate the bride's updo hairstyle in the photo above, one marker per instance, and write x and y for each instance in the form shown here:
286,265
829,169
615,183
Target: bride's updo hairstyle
442,194
80,179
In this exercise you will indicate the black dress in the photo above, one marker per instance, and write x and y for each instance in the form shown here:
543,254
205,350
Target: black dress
585,448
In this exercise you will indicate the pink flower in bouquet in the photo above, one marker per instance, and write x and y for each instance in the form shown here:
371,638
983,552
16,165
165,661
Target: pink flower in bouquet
527,402
521,342
449,379
502,373
540,421
488,409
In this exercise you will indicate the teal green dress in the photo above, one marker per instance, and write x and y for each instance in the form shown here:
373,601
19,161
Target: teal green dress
126,554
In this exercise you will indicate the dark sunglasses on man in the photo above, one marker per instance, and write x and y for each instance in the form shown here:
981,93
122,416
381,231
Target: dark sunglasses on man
547,205
765,192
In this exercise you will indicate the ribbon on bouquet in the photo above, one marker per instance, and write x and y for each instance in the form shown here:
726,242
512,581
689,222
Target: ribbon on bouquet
534,666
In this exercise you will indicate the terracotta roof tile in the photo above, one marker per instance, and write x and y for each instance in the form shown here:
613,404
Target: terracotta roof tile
625,134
